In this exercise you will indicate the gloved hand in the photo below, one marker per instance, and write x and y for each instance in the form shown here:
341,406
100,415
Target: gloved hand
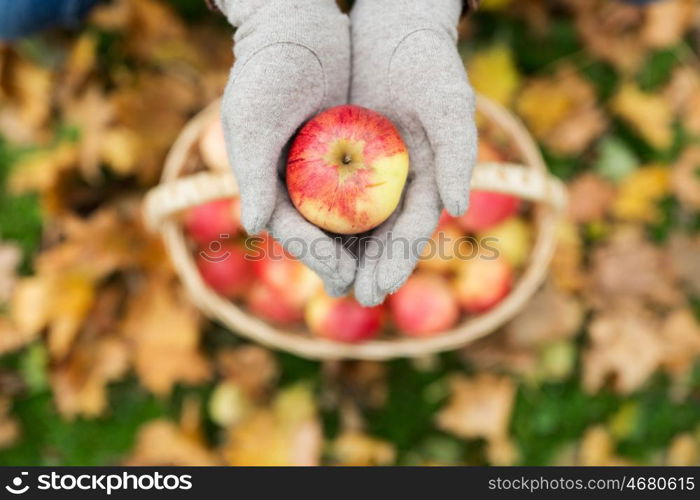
292,61
406,66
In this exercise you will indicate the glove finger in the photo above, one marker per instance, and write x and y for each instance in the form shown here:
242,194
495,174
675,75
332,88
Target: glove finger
440,97
390,254
267,99
325,255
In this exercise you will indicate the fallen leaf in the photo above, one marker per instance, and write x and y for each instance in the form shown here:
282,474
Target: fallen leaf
9,425
251,368
685,178
640,192
10,256
615,160
665,23
684,260
649,114
630,267
79,382
625,348
590,198
550,315
561,111
163,329
567,261
681,347
492,72
355,448
163,443
684,450
285,433
597,448
683,95
479,407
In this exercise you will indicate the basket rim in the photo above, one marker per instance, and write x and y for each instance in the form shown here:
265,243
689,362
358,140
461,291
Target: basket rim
247,325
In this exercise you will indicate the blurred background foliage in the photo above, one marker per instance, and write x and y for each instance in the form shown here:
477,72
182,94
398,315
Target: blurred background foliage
102,360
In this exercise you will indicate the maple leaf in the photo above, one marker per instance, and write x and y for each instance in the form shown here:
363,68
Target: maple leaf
251,368
684,450
630,267
649,114
567,262
561,110
590,198
625,347
597,448
683,95
285,433
479,407
9,426
355,448
682,258
163,329
665,23
79,382
549,316
164,443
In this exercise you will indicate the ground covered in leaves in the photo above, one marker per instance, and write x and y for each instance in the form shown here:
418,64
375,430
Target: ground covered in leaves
104,361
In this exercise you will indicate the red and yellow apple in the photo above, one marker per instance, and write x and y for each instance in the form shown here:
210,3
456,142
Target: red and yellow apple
346,169
227,271
440,254
266,303
512,238
424,306
213,221
487,209
482,282
343,319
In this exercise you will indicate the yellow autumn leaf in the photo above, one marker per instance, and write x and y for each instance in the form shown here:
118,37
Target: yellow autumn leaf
492,72
640,192
649,114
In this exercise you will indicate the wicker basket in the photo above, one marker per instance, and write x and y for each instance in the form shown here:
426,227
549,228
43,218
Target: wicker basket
179,191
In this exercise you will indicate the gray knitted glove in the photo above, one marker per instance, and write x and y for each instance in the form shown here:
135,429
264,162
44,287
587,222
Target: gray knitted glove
292,61
406,66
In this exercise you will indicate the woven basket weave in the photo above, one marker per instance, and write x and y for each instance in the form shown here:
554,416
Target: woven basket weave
531,181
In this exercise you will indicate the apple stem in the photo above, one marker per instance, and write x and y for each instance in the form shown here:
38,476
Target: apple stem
347,159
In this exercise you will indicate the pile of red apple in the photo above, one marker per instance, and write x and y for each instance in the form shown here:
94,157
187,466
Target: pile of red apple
444,289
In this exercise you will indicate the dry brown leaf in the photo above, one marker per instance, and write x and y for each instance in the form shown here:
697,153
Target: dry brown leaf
630,267
251,368
91,113
562,111
355,448
685,178
639,194
496,352
9,426
567,262
684,450
286,433
649,114
10,256
479,407
610,30
665,23
683,95
163,329
80,382
625,348
40,171
683,258
590,198
163,443
597,448
681,348
549,316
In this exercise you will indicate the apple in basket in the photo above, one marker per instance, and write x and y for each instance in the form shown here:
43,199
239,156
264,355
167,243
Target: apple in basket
482,282
227,270
343,319
346,169
424,306
214,221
